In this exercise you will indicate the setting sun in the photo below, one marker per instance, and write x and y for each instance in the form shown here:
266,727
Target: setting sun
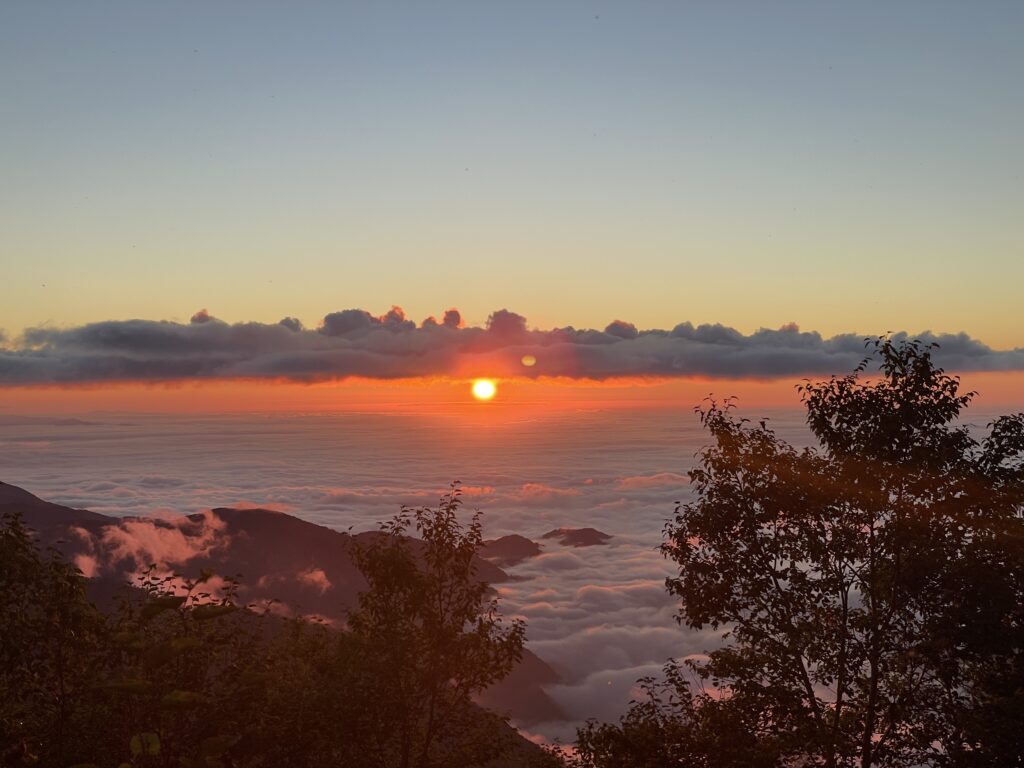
484,389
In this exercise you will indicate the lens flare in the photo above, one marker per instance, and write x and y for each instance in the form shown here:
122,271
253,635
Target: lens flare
484,389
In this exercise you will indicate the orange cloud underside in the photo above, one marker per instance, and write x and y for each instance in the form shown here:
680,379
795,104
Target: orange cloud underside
997,391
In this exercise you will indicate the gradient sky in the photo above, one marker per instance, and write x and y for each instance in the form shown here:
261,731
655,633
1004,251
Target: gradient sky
852,167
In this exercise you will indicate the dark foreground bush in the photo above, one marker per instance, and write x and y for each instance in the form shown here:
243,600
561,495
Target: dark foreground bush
180,676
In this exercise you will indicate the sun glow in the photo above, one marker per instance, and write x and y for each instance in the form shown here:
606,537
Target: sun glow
484,389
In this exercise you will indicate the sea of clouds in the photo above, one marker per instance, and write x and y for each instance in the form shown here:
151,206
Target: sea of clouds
599,615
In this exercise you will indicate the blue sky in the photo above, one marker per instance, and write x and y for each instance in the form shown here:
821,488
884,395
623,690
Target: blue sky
852,167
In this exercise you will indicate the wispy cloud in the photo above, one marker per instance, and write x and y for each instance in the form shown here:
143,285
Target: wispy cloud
134,543
355,343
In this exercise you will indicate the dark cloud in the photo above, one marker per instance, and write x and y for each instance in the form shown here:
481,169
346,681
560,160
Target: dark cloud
452,318
348,321
202,316
395,320
353,342
621,330
507,324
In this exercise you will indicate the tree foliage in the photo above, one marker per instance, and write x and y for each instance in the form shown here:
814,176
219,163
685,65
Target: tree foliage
47,631
870,587
675,723
180,675
429,633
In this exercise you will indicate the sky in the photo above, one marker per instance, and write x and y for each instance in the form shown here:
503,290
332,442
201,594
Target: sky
854,168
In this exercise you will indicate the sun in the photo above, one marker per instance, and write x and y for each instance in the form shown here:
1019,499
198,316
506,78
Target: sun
484,389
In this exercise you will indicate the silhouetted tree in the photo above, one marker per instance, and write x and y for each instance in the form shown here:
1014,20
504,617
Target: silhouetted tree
430,636
181,676
870,589
674,724
48,629
169,679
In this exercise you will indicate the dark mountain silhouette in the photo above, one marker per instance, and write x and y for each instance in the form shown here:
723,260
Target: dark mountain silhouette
308,568
509,550
44,515
578,537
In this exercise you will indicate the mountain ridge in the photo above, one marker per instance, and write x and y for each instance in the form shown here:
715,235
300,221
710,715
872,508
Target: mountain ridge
308,568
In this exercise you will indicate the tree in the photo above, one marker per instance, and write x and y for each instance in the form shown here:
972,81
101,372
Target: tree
170,672
430,636
48,630
671,724
869,587
181,676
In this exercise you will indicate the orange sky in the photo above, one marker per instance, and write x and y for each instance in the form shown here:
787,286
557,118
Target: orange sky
996,391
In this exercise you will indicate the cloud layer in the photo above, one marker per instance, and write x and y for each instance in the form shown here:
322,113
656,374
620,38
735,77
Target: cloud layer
355,343
598,615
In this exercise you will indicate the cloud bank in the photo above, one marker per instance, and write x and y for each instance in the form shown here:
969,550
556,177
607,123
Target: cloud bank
355,343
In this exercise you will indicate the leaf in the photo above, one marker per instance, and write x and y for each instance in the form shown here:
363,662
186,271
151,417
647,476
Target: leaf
215,746
127,685
130,640
183,700
158,654
182,644
144,744
209,611
158,605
